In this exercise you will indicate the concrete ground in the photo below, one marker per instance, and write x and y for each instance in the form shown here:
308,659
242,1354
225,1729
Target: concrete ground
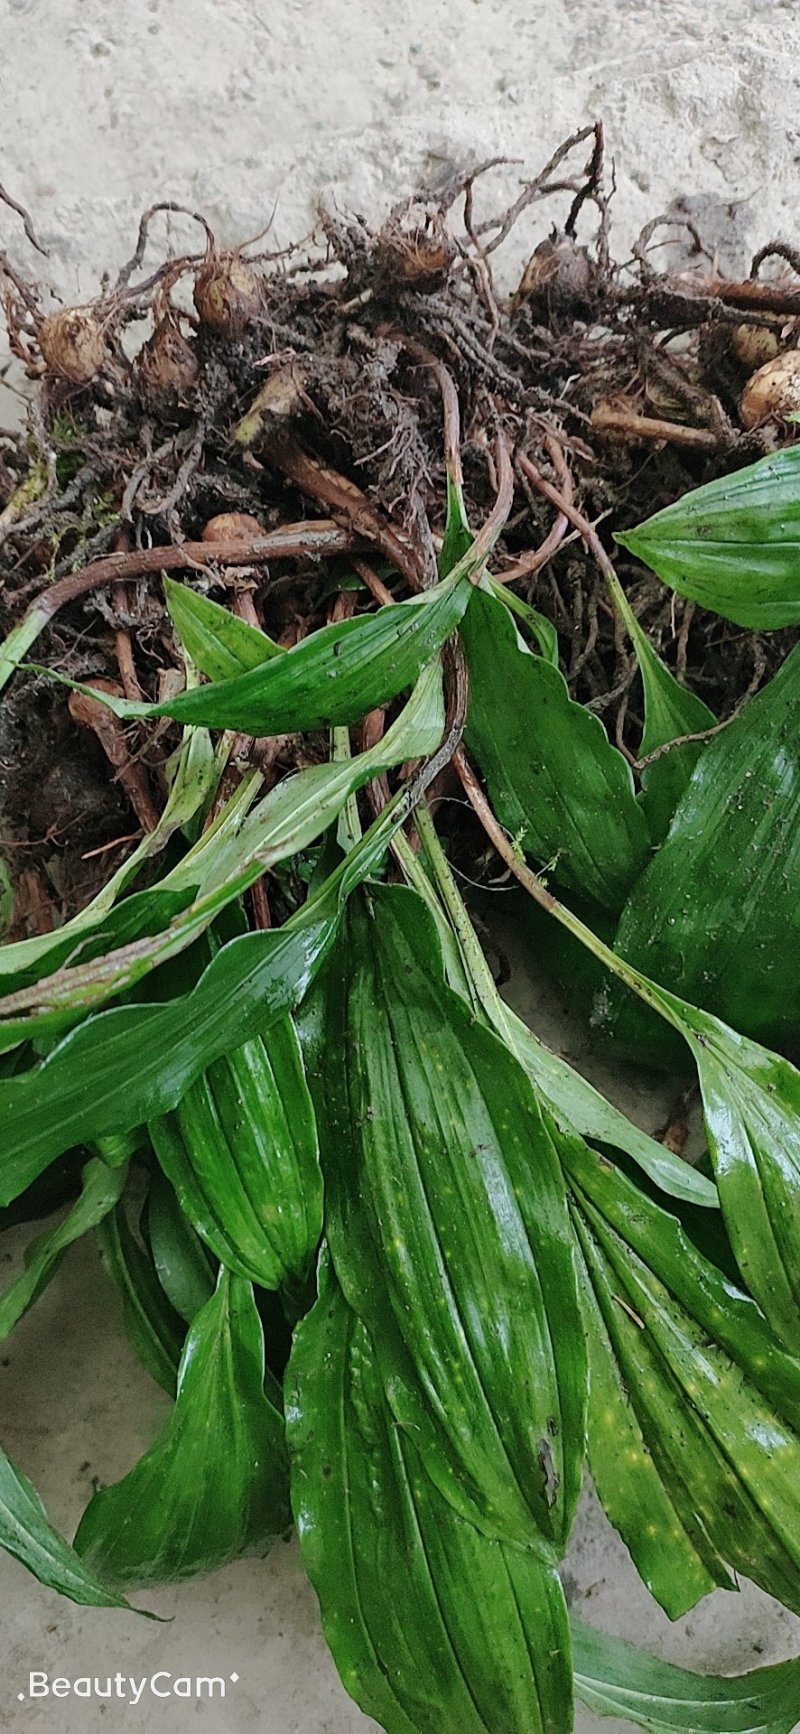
237,108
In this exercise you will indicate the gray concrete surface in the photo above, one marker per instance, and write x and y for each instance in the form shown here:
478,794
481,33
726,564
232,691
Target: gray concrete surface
237,107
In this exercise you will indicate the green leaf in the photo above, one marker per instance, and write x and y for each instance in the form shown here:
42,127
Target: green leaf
695,1408
733,545
578,1108
670,711
181,1262
751,1096
447,1222
538,624
133,1063
26,1533
290,817
458,540
101,1187
153,1327
214,1484
559,787
348,827
751,1103
636,1492
716,915
241,1152
218,642
301,807
615,1678
432,1625
458,537
336,675
139,917
27,959
581,1110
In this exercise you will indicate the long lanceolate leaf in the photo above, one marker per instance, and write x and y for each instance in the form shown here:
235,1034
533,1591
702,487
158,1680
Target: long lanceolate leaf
221,867
751,1101
26,1532
101,1188
184,1269
214,1485
562,791
671,711
334,676
295,813
733,545
155,1330
130,1064
577,1107
27,959
614,1678
448,1226
751,1105
218,642
581,1110
716,916
241,1152
133,1063
694,1417
432,1625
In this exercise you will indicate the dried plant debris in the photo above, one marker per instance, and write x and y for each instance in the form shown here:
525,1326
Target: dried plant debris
270,425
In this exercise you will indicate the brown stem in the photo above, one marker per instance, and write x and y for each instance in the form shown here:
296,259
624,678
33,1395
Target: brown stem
314,537
371,731
497,835
488,532
375,585
123,648
245,609
752,293
682,741
344,607
27,222
346,501
111,735
688,300
33,909
538,557
533,562
123,643
646,427
262,914
450,405
581,524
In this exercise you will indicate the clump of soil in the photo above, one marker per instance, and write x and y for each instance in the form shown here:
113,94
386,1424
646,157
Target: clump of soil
273,424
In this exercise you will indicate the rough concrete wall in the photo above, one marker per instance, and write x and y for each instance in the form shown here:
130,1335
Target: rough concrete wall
236,107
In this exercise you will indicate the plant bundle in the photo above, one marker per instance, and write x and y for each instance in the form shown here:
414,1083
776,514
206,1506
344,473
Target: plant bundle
405,1273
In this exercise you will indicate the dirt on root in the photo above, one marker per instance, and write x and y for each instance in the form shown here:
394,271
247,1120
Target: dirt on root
313,397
